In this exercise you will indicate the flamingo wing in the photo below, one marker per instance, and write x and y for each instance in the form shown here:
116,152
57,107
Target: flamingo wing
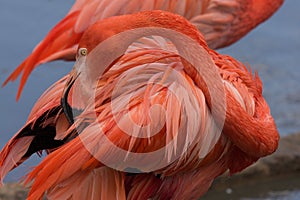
44,130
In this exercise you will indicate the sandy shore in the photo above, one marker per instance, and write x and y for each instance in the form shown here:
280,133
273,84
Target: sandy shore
280,171
12,191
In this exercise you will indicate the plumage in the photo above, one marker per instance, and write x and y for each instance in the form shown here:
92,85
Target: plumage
142,107
37,133
222,22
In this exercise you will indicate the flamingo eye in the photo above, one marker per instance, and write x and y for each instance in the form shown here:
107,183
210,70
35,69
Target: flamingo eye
83,51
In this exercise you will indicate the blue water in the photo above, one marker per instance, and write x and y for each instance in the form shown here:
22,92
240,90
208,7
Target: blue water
272,49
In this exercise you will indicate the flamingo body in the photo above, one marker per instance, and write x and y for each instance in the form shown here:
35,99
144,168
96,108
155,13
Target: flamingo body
150,88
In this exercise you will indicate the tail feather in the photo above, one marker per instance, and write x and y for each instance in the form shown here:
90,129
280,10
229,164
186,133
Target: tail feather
12,154
57,167
100,183
143,186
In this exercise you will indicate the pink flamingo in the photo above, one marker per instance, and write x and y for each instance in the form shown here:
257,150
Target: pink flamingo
83,165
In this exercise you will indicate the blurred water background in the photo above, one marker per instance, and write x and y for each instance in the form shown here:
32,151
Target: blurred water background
273,49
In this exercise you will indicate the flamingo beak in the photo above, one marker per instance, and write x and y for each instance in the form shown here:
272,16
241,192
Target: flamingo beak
67,109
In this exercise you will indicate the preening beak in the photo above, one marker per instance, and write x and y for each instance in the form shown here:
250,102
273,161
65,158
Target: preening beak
68,110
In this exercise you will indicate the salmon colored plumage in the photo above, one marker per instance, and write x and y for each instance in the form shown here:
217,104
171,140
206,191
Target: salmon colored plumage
148,73
222,22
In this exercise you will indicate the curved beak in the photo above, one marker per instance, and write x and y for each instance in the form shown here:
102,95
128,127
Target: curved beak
67,109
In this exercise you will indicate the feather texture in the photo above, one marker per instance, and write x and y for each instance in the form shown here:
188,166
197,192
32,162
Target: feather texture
147,128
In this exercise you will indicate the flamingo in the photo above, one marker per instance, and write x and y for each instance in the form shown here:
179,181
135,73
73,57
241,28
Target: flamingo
222,22
135,90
